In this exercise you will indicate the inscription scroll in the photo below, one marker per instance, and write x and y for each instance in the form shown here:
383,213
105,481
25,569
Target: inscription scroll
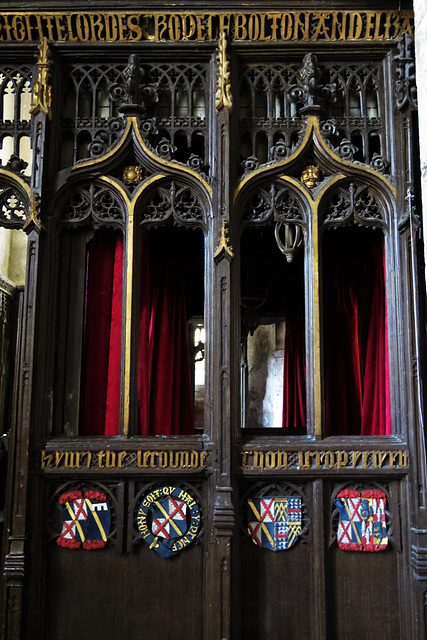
313,26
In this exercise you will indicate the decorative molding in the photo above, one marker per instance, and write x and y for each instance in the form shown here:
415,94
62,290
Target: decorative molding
223,97
419,562
223,515
14,567
42,91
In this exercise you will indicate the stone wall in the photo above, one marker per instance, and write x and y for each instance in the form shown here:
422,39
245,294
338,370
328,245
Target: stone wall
420,9
13,253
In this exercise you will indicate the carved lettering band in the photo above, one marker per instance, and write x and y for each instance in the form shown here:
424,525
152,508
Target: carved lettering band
314,26
303,460
123,459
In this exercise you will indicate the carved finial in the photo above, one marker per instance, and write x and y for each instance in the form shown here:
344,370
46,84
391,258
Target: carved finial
34,213
42,91
223,97
134,92
309,90
224,249
16,164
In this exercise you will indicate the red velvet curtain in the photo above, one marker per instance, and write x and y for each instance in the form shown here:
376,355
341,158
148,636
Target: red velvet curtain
356,349
102,335
294,393
164,380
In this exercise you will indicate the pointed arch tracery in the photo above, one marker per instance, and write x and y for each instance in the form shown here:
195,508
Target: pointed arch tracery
14,200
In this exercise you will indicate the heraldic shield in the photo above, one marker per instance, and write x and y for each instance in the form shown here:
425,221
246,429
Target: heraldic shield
362,524
86,520
274,522
168,520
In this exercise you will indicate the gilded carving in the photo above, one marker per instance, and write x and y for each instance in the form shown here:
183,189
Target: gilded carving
42,91
223,97
34,212
132,175
310,176
224,248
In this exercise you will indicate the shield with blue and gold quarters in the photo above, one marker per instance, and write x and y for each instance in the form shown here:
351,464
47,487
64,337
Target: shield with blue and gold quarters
362,523
275,522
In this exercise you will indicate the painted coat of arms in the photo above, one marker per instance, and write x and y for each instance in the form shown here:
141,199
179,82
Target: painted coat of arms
274,522
86,520
168,520
362,524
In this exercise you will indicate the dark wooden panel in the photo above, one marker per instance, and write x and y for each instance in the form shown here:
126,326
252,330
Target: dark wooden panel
96,595
275,593
362,595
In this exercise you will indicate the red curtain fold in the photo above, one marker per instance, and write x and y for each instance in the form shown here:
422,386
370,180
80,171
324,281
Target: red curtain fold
376,391
356,348
164,381
294,391
102,335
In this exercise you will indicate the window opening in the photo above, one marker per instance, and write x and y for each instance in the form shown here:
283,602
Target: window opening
273,333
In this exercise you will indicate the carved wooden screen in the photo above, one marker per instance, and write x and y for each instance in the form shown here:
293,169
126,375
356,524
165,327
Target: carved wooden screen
219,428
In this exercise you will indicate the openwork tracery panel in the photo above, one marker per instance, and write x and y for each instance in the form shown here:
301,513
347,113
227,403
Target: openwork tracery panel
351,97
13,208
15,101
181,110
354,203
278,202
267,117
175,115
93,202
175,201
